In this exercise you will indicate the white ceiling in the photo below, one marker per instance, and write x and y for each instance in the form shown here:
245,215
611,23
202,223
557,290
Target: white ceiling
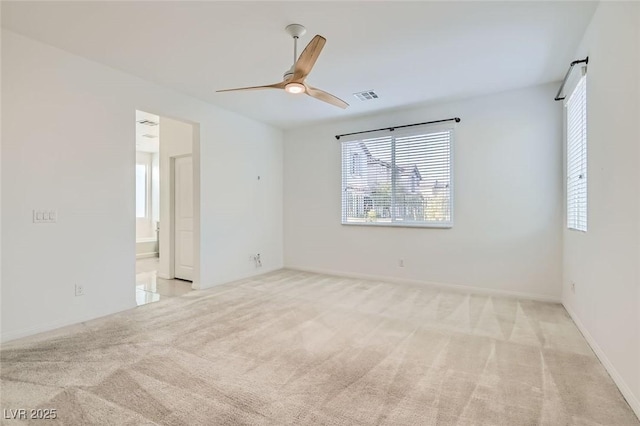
147,134
408,52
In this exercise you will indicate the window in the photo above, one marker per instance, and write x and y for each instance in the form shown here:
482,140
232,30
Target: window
403,179
577,157
141,190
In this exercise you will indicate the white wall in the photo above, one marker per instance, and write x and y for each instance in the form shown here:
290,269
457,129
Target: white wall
1,145
507,200
176,139
68,144
604,262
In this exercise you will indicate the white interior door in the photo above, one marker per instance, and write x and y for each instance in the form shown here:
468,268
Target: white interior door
183,218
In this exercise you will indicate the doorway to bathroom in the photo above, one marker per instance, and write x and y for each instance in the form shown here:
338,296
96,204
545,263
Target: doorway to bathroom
165,206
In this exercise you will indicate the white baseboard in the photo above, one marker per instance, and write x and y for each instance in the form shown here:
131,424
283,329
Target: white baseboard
447,286
200,286
632,400
49,326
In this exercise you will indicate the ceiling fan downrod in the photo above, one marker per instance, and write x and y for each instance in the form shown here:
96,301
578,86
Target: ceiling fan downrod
296,31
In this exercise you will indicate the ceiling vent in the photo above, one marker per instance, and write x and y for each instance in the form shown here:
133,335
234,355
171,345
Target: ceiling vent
367,95
147,123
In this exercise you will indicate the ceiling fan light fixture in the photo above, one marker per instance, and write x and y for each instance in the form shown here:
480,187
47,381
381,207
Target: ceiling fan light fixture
294,88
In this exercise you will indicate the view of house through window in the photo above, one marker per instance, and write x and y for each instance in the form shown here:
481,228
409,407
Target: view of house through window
402,179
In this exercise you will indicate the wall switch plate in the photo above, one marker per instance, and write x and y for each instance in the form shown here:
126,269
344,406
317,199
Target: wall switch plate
45,216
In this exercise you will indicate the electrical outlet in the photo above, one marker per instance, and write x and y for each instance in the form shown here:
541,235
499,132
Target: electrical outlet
401,263
573,287
255,258
79,290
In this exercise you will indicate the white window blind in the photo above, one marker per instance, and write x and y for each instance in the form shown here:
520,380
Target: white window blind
577,157
398,179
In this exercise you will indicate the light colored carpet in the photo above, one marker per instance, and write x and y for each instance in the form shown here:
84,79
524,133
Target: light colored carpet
299,348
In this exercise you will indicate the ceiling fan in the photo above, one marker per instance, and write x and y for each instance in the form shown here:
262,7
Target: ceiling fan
293,80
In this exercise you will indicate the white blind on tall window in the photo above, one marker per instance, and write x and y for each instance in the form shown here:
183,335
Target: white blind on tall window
399,179
577,157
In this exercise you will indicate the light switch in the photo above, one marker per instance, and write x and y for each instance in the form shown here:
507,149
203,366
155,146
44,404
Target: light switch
45,216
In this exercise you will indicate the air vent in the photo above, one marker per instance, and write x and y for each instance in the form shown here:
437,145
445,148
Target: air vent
367,95
148,123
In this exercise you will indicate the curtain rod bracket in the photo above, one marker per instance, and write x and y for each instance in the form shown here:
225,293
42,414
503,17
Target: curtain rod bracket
566,77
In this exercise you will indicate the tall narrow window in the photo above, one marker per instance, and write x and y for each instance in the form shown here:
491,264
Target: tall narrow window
577,157
403,179
141,190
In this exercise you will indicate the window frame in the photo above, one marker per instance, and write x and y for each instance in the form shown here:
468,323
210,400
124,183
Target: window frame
399,134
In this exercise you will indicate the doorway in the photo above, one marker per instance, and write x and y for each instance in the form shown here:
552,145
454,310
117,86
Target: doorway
165,207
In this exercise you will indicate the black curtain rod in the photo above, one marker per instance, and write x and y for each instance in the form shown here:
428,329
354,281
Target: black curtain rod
566,76
391,129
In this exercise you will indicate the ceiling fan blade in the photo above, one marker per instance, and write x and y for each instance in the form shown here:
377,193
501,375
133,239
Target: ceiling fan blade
269,86
326,97
308,58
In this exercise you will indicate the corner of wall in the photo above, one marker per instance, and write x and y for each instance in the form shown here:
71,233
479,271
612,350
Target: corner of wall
605,262
618,379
